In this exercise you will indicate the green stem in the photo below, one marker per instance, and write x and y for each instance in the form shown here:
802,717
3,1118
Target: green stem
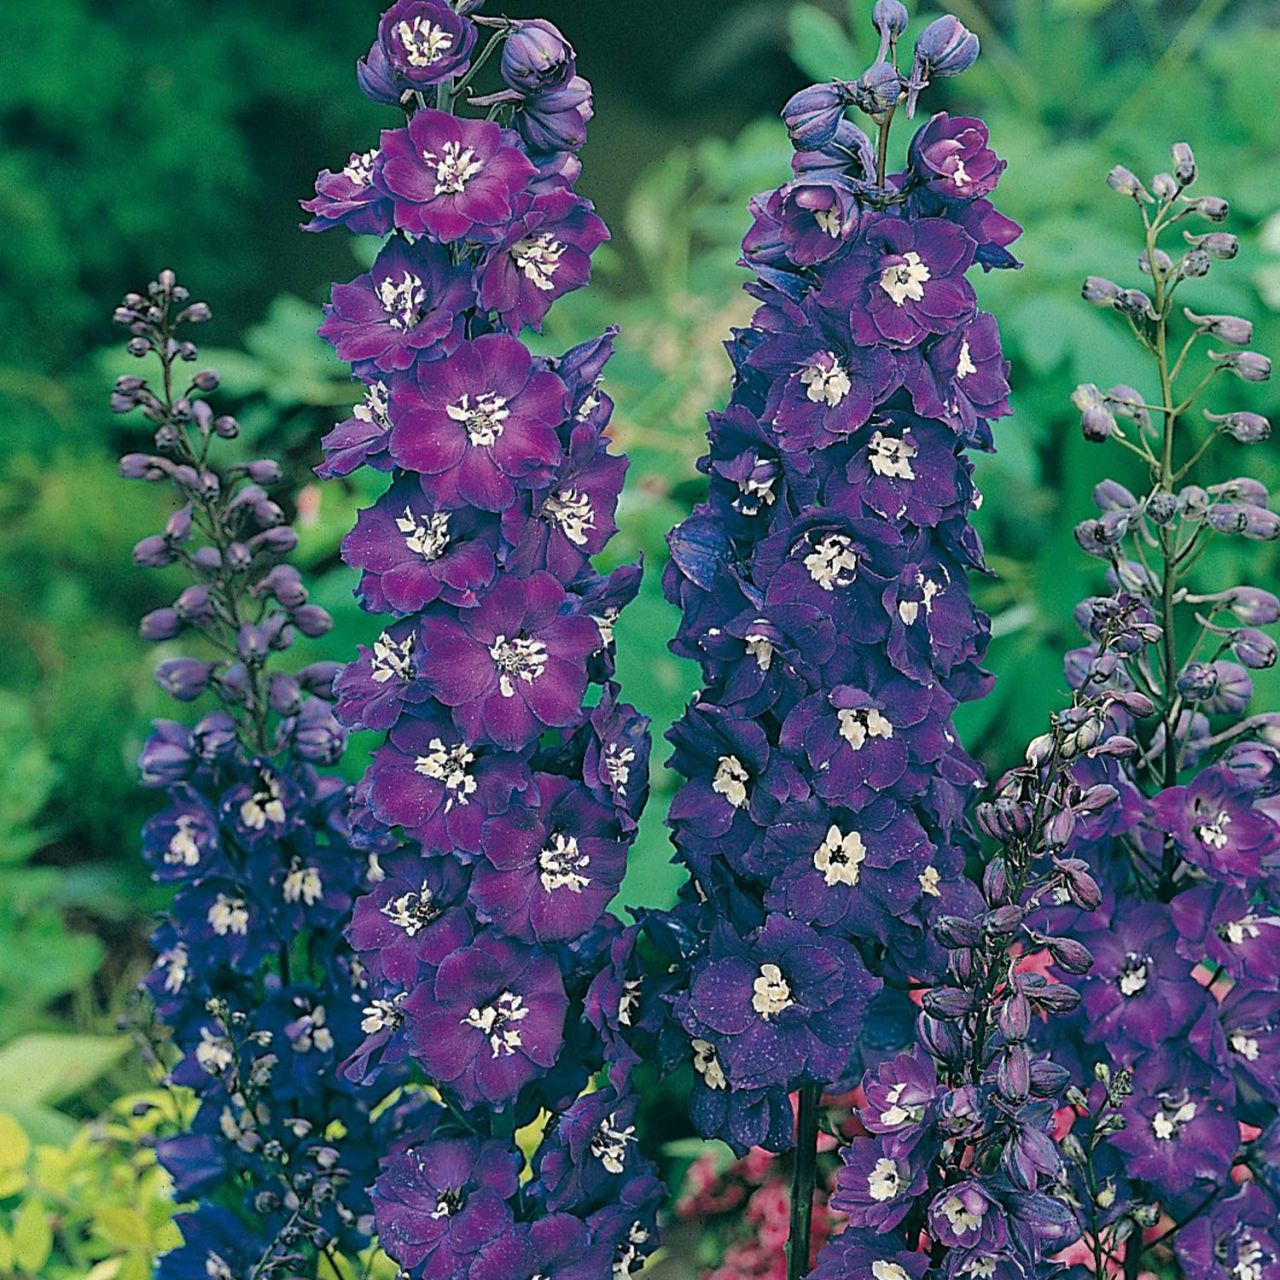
803,1182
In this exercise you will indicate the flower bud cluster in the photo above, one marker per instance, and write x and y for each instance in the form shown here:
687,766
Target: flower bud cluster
507,790
1177,1037
254,981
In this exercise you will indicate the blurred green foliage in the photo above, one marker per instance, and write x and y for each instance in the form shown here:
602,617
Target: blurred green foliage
186,144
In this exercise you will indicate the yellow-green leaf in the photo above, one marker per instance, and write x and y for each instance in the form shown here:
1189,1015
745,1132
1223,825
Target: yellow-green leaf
15,1146
32,1238
126,1227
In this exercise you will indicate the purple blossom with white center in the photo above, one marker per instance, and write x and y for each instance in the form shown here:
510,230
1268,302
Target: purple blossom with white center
545,253
253,980
1237,1238
352,198
875,1188
451,177
406,308
952,158
480,422
499,808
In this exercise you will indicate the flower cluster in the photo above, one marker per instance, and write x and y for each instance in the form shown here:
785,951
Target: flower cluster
505,794
253,979
1177,1039
823,586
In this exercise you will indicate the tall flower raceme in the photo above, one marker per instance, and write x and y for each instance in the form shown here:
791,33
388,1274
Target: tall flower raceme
509,791
824,587
253,978
1177,1039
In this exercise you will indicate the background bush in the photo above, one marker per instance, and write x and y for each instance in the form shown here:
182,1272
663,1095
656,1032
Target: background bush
136,134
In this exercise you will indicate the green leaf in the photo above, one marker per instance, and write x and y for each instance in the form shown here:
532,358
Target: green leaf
32,1237
819,44
52,1068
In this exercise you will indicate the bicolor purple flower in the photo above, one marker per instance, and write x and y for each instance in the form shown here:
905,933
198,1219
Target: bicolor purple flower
545,254
480,422
953,160
404,309
514,665
490,1021
451,177
875,1188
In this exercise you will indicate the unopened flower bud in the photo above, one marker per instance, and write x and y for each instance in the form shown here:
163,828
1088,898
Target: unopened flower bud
284,693
813,115
1163,263
878,89
948,1003
1048,1078
226,427
184,679
1214,208
1059,829
890,19
1230,329
1195,265
1126,183
312,621
1198,681
1070,955
1015,1017
251,645
1013,1074
1100,796
1165,186
1221,245
946,48
1248,366
160,624
155,552
278,541
955,932
317,678
1040,750
1133,302
196,313
1254,606
537,58
1100,291
1161,507
1255,649
1184,163
206,380
1111,495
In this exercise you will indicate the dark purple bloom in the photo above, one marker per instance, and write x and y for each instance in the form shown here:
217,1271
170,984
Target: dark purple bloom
550,1248
1175,1139
551,871
1217,923
414,553
780,1006
514,665
537,58
856,1252
490,1022
361,439
351,198
876,1189
182,842
373,690
405,309
902,282
425,42
816,216
451,177
615,762
966,1216
479,422
544,254
439,1202
557,119
950,156
963,378
1236,1238
591,1152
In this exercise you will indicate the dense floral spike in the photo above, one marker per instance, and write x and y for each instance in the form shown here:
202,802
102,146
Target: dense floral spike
1176,1041
507,791
259,990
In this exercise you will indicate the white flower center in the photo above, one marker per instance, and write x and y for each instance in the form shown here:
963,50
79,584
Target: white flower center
1214,834
412,911
839,857
424,43
882,1270
175,962
731,780
1249,1258
517,659
929,880
483,420
373,408
829,221
707,1065
891,456
1167,1123
961,1220
455,166
427,537
772,994
496,1021
263,806
392,659
604,624
906,279
825,380
617,764
383,1015
313,1033
894,1114
561,864
960,175
359,168
402,301
860,723
833,562
183,849
884,1180
1245,1045
303,884
761,649
756,493
1133,977
609,1144
965,365
572,511
909,610
214,1052
450,765
1239,931
538,259
447,1204
228,915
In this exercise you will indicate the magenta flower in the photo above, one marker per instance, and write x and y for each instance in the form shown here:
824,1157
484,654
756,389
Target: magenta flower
491,1022
545,253
902,282
451,177
479,422
549,872
405,309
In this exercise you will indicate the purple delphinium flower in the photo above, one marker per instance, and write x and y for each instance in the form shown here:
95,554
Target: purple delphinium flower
500,805
259,991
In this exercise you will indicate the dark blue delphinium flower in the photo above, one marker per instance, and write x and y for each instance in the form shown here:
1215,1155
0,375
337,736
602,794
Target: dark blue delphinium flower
258,989
507,790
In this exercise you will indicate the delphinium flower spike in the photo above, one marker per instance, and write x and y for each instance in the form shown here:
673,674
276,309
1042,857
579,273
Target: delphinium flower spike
1178,1033
512,776
253,979
824,590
